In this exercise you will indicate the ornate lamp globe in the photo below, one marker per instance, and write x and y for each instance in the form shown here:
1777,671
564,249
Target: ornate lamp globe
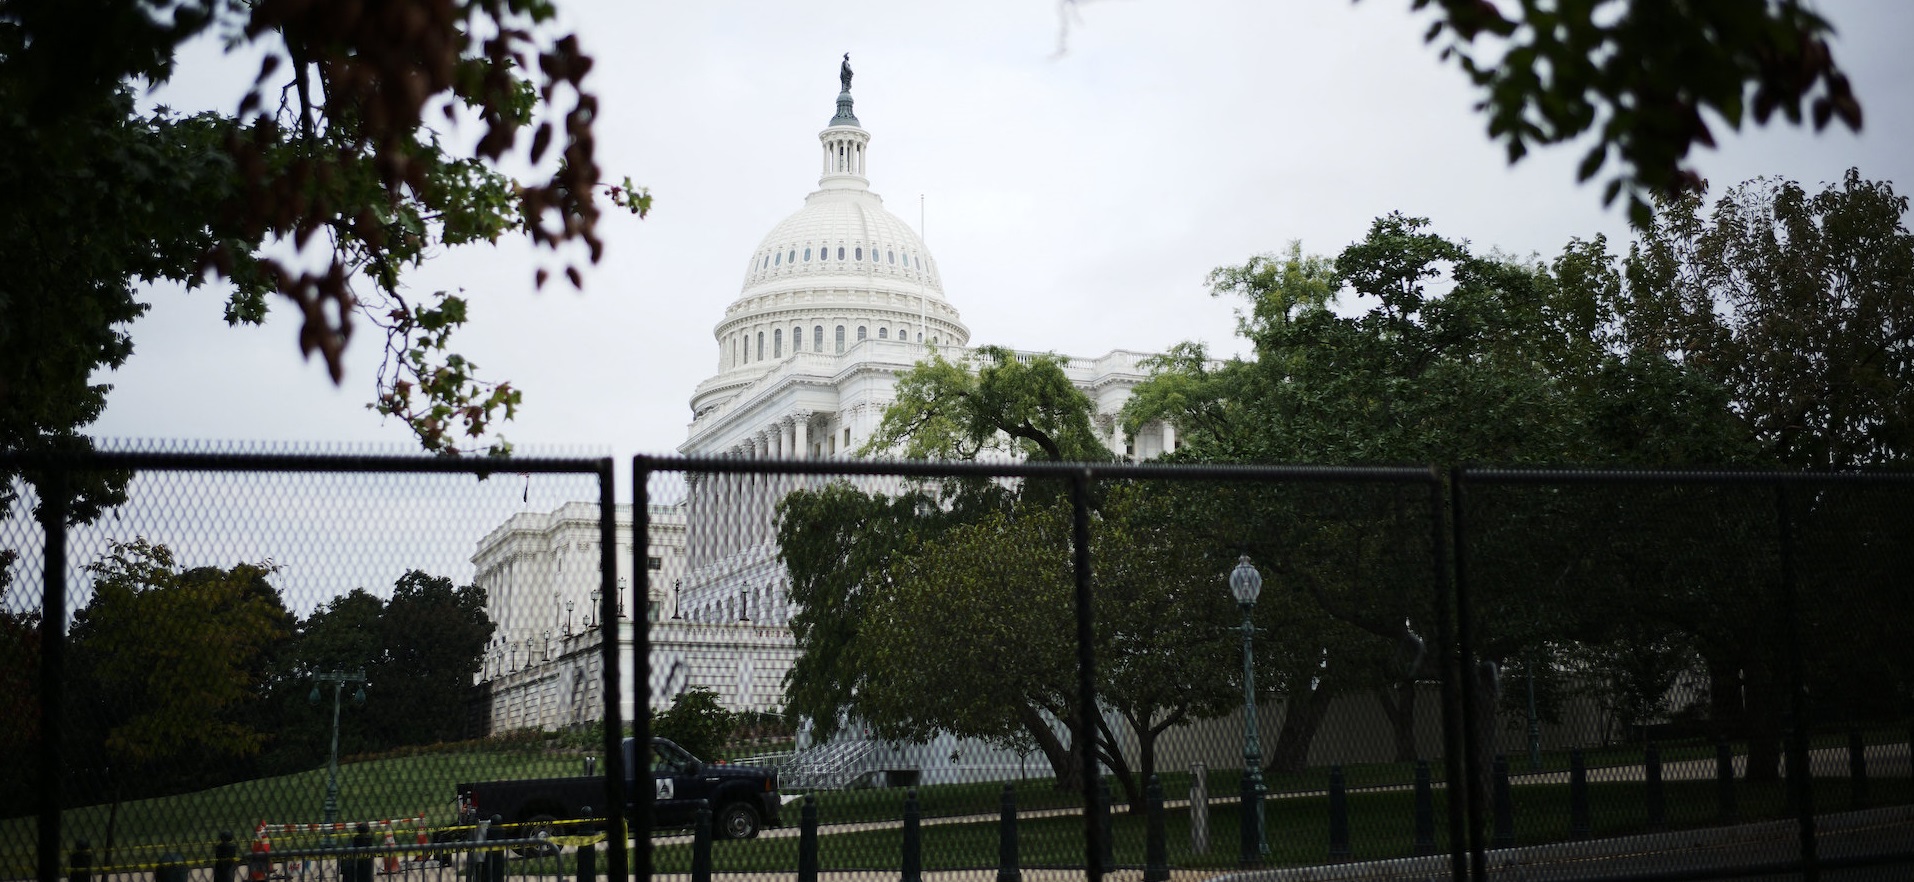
1245,583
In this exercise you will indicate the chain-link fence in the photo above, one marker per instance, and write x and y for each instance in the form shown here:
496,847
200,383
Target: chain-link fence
360,666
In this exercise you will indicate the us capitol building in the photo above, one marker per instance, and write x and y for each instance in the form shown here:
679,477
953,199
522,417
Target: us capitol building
838,299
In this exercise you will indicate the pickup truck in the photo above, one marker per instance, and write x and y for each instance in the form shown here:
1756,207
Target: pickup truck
743,799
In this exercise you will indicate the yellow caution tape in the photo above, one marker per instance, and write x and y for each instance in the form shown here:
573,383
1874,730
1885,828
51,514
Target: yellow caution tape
577,841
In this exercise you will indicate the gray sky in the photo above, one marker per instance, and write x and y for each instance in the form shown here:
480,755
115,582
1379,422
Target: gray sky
1075,200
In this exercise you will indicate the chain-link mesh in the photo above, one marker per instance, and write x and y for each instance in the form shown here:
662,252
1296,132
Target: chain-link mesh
862,668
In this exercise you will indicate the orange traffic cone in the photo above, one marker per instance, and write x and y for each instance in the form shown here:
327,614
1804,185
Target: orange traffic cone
259,864
392,852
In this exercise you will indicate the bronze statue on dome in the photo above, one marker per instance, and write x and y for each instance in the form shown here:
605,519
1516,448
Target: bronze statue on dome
844,72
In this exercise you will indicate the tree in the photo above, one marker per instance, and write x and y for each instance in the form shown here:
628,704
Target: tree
1640,75
696,722
330,157
434,636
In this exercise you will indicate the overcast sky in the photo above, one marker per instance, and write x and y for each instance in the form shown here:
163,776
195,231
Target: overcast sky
1075,199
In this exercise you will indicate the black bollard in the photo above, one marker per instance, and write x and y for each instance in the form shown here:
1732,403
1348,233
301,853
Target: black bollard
1578,823
1655,796
1425,811
494,857
1857,768
807,840
913,870
587,853
1103,823
701,844
362,863
79,864
171,867
1338,816
1251,855
1156,841
225,857
1725,781
1009,866
1504,801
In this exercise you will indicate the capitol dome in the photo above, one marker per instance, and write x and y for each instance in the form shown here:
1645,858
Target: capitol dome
839,271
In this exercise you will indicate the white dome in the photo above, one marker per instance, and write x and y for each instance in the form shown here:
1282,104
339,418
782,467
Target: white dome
842,238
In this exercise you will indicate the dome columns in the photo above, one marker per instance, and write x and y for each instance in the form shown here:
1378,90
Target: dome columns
844,154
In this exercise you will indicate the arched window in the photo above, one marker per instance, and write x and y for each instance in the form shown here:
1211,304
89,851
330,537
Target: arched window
794,256
767,262
890,256
817,339
840,252
797,339
883,334
777,343
807,255
840,338
760,345
860,332
777,259
859,253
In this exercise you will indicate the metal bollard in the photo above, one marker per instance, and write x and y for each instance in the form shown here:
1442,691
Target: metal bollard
1156,846
1103,823
79,864
1578,821
1857,768
1425,811
494,858
1199,809
1725,781
225,857
362,863
807,840
1656,796
587,853
1251,822
171,868
701,844
913,857
1008,864
1338,816
1504,802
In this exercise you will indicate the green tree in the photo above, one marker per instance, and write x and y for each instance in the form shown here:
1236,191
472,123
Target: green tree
434,636
330,155
696,722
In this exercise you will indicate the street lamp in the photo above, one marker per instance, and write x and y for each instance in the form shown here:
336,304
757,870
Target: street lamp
621,597
568,618
1245,584
338,679
677,599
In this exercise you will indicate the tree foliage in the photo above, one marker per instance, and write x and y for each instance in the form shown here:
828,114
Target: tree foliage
1643,76
335,176
696,722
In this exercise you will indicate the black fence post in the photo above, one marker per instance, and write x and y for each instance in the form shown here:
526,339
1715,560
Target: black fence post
1425,811
79,864
1725,781
225,857
807,840
1156,843
1338,816
1504,805
701,843
913,863
1103,823
1009,866
1578,822
1655,796
1857,768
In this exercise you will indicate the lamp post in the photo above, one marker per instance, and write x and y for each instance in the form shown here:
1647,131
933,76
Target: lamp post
677,599
621,597
338,679
1245,584
568,618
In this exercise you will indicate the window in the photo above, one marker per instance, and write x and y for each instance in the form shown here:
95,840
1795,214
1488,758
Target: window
777,259
767,262
847,437
860,253
777,343
807,255
840,338
760,345
797,339
883,334
860,333
793,258
654,563
840,252
817,339
890,256
651,611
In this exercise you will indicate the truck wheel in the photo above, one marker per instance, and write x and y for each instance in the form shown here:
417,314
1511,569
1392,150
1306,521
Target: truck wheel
533,826
737,820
